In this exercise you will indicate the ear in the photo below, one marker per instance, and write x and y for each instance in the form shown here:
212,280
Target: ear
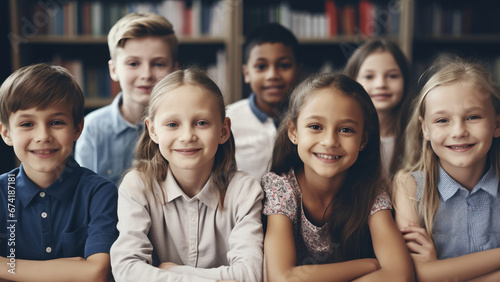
424,128
496,133
151,130
4,129
78,131
246,74
364,142
292,132
112,70
225,131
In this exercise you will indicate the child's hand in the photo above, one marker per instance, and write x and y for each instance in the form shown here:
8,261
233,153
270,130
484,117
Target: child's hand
166,265
419,243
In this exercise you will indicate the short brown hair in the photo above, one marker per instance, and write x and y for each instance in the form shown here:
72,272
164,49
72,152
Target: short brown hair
137,25
40,86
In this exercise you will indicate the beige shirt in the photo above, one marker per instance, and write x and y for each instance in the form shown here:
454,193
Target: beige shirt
206,242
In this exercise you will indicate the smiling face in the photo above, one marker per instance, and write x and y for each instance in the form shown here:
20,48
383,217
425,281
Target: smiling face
329,133
460,123
270,70
139,65
42,140
381,77
188,128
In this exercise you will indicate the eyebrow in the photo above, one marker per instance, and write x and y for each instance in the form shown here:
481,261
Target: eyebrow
347,120
52,115
467,110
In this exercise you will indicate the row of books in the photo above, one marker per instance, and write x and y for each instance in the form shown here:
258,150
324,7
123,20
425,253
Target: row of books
94,80
460,18
189,18
329,18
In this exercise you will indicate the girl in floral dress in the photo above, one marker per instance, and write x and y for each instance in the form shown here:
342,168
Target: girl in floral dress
329,215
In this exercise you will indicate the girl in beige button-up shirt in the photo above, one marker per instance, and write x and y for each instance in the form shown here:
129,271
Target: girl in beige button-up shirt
184,213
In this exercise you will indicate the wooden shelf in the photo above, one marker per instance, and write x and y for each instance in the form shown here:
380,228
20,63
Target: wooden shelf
468,39
97,102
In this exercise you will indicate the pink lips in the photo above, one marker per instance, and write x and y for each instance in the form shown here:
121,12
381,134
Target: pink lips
187,152
146,89
327,158
460,147
381,96
44,153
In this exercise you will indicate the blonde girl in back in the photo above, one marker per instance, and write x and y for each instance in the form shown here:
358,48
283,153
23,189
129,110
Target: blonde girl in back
329,215
185,213
446,197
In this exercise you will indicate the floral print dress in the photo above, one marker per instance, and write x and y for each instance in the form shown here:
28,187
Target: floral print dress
312,243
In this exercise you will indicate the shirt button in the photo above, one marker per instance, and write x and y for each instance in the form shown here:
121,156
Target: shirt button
109,171
191,246
193,218
44,214
42,194
48,250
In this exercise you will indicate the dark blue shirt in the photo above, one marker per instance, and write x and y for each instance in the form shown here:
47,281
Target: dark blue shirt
74,217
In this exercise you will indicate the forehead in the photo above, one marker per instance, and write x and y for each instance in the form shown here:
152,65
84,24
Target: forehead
332,103
187,99
145,47
457,97
270,51
379,60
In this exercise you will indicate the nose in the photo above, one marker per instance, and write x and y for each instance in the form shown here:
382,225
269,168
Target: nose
330,139
42,134
187,135
459,130
146,72
272,73
380,81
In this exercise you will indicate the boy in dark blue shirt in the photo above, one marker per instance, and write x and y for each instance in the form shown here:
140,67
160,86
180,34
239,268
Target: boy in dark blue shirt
57,219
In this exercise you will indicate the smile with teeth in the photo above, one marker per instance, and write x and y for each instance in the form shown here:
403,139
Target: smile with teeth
460,147
43,152
328,157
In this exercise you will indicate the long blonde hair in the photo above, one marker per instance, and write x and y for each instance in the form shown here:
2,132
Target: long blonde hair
419,156
149,160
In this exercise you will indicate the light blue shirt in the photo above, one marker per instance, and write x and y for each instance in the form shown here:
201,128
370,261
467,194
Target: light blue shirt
465,222
107,144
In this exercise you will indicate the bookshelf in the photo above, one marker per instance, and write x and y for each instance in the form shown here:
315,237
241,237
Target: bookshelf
329,30
412,24
73,33
465,28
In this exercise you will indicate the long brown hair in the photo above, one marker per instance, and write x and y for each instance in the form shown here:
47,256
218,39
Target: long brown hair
419,156
364,179
149,160
400,112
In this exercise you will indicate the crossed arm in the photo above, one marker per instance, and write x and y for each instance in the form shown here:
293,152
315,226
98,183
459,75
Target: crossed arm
392,261
480,266
95,268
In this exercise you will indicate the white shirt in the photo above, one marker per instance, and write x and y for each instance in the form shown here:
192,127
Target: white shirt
253,138
207,242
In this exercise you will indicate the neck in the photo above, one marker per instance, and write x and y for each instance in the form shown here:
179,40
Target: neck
468,177
320,189
387,121
191,181
132,112
45,179
270,109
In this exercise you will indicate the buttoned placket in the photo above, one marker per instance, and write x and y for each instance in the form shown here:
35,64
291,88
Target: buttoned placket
45,223
193,232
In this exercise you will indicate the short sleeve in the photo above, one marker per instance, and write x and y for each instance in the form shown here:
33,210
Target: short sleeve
280,197
382,202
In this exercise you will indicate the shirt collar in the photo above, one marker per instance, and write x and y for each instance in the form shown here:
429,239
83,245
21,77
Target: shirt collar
119,123
261,116
208,194
63,188
448,187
